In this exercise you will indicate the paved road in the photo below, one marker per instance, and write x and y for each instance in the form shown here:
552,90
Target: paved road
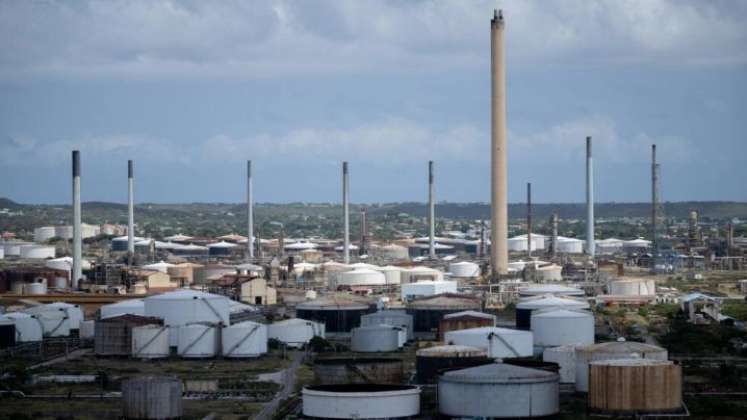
287,378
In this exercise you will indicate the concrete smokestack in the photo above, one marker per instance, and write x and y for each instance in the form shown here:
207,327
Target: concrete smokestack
554,223
431,214
130,212
654,205
77,244
590,244
499,169
529,219
346,213
249,212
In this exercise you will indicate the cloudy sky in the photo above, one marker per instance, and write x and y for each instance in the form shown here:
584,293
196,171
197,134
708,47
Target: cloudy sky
192,89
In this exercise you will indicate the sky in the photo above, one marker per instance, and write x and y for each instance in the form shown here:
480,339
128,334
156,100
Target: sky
190,90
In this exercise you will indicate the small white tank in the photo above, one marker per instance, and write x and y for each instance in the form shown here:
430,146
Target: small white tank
565,357
28,328
464,269
35,289
557,327
392,274
197,341
376,338
150,342
58,283
87,329
245,339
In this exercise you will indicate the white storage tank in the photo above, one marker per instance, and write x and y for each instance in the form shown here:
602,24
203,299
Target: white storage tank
150,342
54,324
391,317
129,306
526,306
13,248
295,332
245,339
35,288
37,252
498,391
186,307
28,328
565,357
414,274
87,330
375,338
43,234
72,313
198,341
498,342
632,287
392,274
361,401
557,327
361,277
394,252
570,245
464,269
613,350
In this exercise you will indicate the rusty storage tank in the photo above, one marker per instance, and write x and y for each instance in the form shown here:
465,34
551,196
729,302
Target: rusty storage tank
364,370
339,315
113,336
613,350
464,321
152,397
432,361
634,386
428,311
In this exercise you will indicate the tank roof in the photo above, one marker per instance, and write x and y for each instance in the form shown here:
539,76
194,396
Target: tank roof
622,347
489,330
451,351
446,301
469,314
332,303
500,373
185,294
561,313
632,362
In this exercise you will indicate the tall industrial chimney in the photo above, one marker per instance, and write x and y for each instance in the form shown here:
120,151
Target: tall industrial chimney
363,249
130,212
346,214
654,206
431,214
499,169
77,245
554,223
529,219
590,244
249,212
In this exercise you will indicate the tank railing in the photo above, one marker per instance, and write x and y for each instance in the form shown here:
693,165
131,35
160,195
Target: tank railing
237,345
194,342
54,330
152,339
502,340
217,314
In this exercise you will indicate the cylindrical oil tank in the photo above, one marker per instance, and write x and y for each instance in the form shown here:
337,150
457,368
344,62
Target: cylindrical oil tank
295,332
570,245
87,330
43,234
129,306
464,269
150,342
152,397
525,307
392,274
361,277
427,312
187,306
363,370
498,391
28,328
413,274
338,316
375,338
7,333
394,252
58,283
37,252
73,312
632,287
361,401
53,324
432,361
565,357
613,350
464,321
390,317
557,327
498,342
35,289
245,339
13,248
635,385
198,341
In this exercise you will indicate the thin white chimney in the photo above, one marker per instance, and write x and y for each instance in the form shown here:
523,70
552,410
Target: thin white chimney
77,244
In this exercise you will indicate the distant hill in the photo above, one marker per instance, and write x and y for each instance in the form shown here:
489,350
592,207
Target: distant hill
6,203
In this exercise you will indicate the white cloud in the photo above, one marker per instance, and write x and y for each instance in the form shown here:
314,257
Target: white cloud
166,38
